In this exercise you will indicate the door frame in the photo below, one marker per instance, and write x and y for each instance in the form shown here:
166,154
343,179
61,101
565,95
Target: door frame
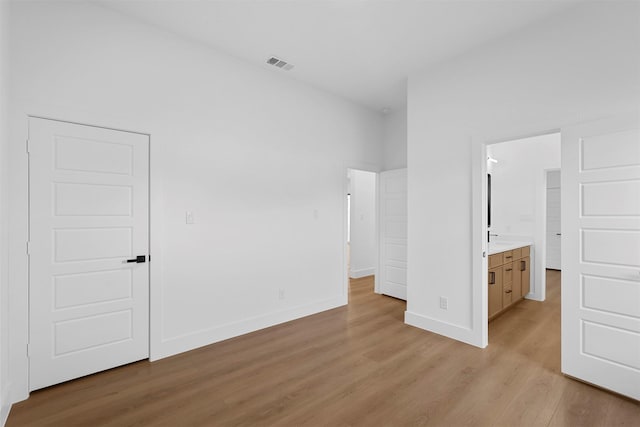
544,253
367,167
479,228
19,216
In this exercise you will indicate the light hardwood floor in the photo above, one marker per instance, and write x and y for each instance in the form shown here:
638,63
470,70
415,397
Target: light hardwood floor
353,366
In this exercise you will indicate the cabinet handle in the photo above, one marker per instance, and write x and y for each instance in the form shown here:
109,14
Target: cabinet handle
509,269
492,277
507,257
509,291
523,265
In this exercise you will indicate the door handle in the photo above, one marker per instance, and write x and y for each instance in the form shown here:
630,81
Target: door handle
558,234
139,259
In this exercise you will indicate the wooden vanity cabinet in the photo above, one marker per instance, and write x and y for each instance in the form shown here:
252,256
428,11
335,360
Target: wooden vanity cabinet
509,279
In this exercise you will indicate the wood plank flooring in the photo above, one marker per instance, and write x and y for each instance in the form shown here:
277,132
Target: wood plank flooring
358,365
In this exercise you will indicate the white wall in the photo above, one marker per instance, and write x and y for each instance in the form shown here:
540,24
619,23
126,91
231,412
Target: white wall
394,128
260,158
364,250
4,247
571,68
518,196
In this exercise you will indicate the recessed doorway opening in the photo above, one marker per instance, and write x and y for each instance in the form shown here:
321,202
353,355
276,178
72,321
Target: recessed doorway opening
517,238
362,224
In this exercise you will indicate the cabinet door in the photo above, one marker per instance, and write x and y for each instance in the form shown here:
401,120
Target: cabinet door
517,281
507,256
507,284
507,296
495,260
525,274
495,291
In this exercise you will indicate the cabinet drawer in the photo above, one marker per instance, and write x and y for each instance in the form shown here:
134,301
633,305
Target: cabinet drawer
525,251
507,298
517,253
507,272
495,260
507,256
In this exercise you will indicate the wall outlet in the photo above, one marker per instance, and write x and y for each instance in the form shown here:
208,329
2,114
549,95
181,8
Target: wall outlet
281,294
444,303
190,218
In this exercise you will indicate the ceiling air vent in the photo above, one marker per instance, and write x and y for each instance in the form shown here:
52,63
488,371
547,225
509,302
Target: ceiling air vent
277,62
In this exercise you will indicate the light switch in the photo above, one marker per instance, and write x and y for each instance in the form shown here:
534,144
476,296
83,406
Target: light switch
189,217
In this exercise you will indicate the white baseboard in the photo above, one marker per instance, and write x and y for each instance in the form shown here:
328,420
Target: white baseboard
6,406
204,337
449,330
364,272
4,414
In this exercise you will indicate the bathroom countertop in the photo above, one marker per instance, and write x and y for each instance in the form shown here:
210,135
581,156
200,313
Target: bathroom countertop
497,247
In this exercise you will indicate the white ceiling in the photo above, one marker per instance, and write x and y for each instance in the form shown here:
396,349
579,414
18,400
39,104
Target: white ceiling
362,50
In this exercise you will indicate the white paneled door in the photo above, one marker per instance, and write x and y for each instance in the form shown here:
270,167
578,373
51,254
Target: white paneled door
393,233
89,222
601,254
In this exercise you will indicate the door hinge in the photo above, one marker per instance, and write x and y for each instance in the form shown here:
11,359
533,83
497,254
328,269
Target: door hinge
29,248
27,146
28,349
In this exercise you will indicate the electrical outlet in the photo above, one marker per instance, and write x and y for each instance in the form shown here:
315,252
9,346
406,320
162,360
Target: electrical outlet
444,303
190,219
281,294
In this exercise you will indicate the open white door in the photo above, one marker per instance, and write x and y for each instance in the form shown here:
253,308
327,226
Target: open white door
393,233
601,254
89,215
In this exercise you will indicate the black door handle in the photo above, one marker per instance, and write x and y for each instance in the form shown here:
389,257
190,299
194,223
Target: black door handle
139,259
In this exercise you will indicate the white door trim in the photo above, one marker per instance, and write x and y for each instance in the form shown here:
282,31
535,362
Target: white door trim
19,219
479,248
545,241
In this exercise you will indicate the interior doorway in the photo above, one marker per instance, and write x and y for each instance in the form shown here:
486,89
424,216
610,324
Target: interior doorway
362,224
517,235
